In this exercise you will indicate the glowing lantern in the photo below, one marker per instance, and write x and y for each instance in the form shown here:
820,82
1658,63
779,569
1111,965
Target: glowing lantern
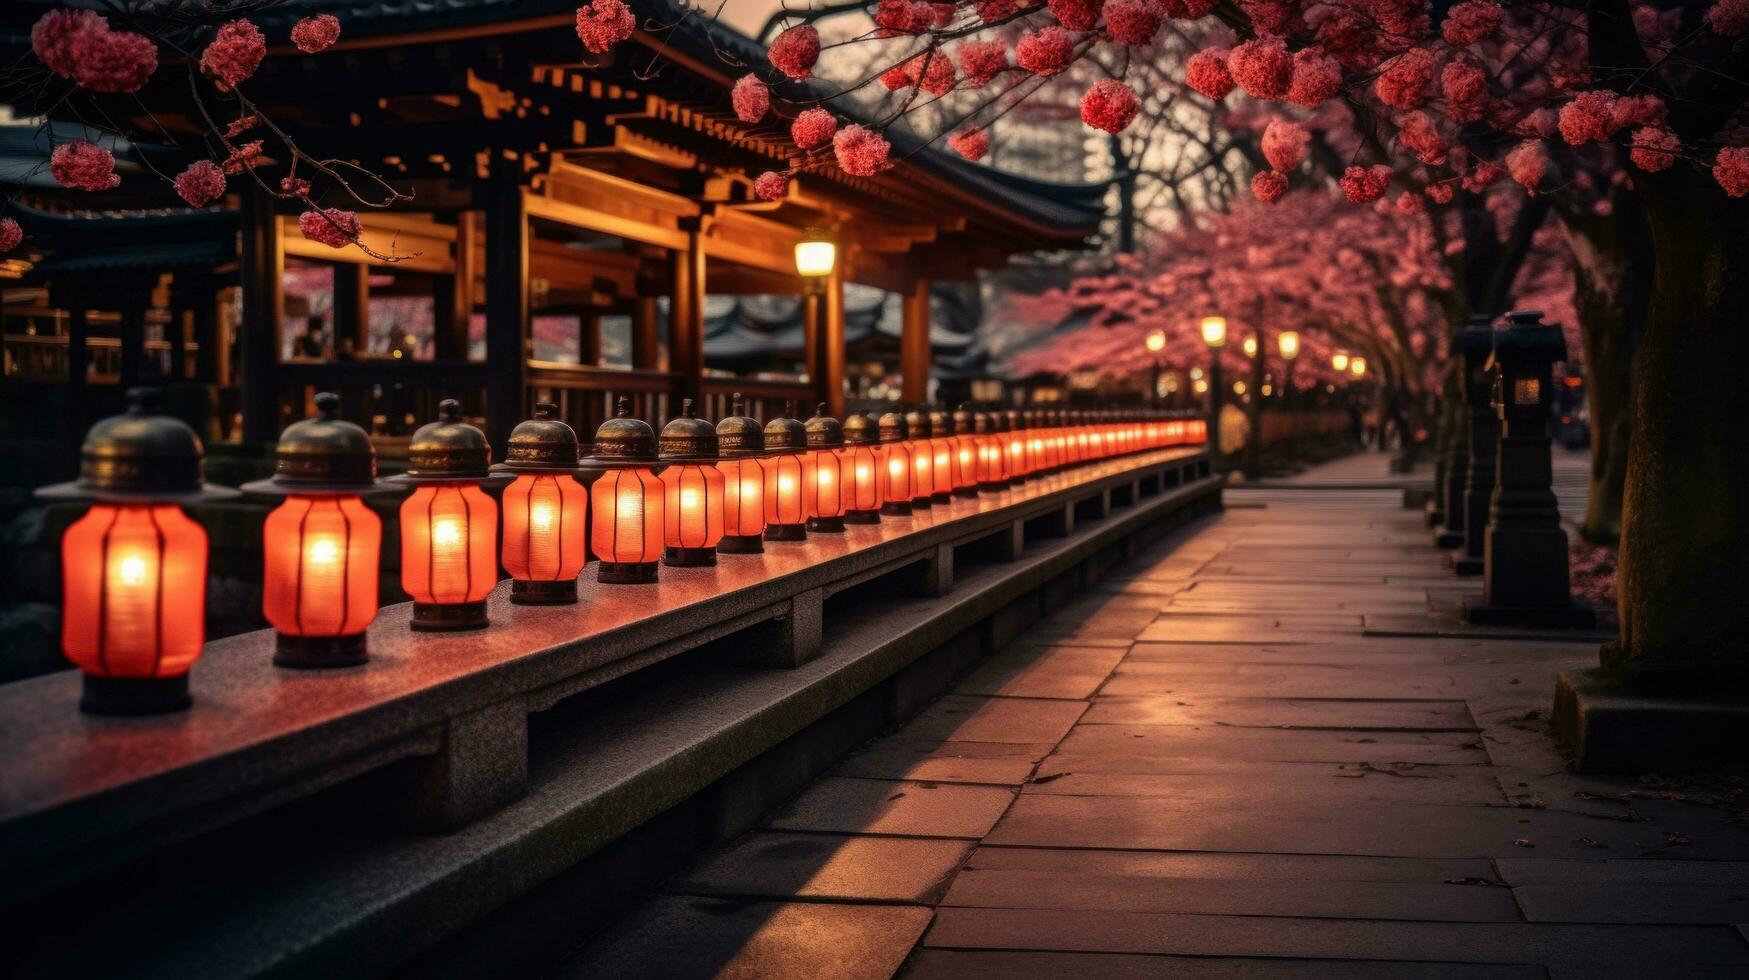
449,526
546,511
991,460
1035,442
1289,342
740,443
825,482
941,446
1339,361
816,254
133,594
1357,366
922,459
1014,446
896,458
965,451
692,491
626,527
862,471
1214,330
786,512
321,547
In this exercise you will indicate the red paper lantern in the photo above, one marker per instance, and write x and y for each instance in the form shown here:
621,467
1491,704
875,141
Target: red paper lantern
965,452
922,459
627,532
941,453
896,463
134,567
786,512
992,460
864,470
449,526
321,548
693,491
546,511
1014,447
824,486
740,442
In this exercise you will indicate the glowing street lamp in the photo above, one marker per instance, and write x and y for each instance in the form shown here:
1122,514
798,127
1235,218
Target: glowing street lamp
1289,342
816,254
1214,334
1357,366
321,548
627,532
1156,341
692,491
134,568
449,526
1214,331
1339,361
740,444
546,511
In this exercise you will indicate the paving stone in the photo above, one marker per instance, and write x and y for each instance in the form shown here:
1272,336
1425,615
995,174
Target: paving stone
1152,748
1280,617
1351,784
1184,629
677,937
1427,716
1587,874
1043,672
1216,884
972,719
824,866
1143,677
946,762
1680,904
1617,950
1339,652
1293,827
942,964
873,806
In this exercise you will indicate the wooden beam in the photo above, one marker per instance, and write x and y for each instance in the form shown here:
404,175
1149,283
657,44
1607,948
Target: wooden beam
914,352
260,273
506,221
832,345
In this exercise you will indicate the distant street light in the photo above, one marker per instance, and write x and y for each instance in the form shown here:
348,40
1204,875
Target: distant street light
1339,361
1214,334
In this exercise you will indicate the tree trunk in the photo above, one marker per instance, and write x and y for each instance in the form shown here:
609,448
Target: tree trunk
1613,265
1684,568
1254,415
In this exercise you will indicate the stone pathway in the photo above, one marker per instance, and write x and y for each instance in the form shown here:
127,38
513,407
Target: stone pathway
1207,768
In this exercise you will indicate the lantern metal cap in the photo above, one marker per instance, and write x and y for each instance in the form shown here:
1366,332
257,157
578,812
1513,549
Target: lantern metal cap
324,456
786,435
917,424
983,423
860,430
688,438
822,430
738,435
940,423
1016,421
623,440
140,456
542,444
447,450
892,428
965,421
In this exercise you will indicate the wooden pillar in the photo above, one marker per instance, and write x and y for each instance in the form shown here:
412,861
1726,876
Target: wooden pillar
351,306
260,274
646,334
686,314
506,309
831,381
588,336
78,354
133,337
914,353
813,304
178,331
205,304
455,294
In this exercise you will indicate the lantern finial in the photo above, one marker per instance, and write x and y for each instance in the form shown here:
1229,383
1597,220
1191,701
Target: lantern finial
449,410
145,401
623,407
545,410
735,403
686,407
327,405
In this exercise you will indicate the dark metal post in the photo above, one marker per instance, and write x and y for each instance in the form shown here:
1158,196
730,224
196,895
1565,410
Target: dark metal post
506,308
1484,439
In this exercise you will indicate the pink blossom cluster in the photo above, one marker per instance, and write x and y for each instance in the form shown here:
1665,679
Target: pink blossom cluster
1317,78
330,226
994,10
604,24
771,186
1131,22
1589,118
971,143
1464,84
1188,9
243,156
1046,51
1730,18
861,152
1262,67
1076,15
1206,72
200,184
1482,176
1439,193
82,165
1410,202
11,236
1271,16
1404,82
982,61
1268,186
795,51
1422,138
1284,144
932,71
893,17
295,186
1731,170
1109,106
316,34
1363,185
813,129
1471,21
1654,149
79,45
234,53
1528,163
751,99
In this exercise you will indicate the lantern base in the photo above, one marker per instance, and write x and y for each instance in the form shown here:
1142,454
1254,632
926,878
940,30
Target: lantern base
897,508
943,497
627,572
563,593
921,503
786,532
317,652
862,517
826,525
969,491
741,544
134,695
689,557
448,617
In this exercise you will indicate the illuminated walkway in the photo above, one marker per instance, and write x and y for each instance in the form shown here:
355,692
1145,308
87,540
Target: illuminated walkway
1249,755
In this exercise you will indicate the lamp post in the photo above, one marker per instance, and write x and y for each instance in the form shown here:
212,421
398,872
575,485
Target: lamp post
133,590
322,546
449,526
692,491
1155,342
740,444
546,511
1288,341
1214,334
1470,346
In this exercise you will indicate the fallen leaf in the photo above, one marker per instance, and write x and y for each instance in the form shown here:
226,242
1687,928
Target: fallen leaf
1524,842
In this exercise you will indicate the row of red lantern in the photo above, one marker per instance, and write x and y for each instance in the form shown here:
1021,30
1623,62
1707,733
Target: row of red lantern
135,564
